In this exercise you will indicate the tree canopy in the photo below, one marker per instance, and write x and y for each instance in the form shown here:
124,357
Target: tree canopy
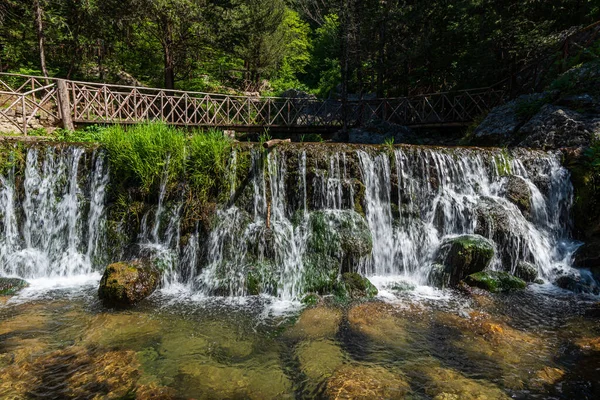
373,47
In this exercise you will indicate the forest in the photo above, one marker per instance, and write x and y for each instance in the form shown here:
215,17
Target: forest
383,48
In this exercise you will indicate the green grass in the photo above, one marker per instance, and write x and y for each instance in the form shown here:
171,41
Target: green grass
140,155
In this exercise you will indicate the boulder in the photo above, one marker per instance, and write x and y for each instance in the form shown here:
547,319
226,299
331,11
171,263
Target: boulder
352,286
503,223
459,257
127,283
11,286
495,281
588,255
578,284
526,271
519,193
555,126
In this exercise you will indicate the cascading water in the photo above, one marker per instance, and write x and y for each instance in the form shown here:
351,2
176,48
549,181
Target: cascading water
298,219
47,229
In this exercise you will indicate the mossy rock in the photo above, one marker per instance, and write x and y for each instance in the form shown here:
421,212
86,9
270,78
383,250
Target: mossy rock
462,256
11,286
353,286
495,281
127,283
519,193
343,234
526,271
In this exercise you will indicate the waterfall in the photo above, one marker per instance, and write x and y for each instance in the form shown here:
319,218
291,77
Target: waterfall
441,193
299,215
47,229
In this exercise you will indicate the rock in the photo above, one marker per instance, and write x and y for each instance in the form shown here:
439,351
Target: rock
338,240
379,132
362,382
578,284
127,283
447,384
297,94
495,281
504,224
353,286
588,255
526,271
519,193
11,286
315,323
500,125
380,323
461,256
319,359
554,127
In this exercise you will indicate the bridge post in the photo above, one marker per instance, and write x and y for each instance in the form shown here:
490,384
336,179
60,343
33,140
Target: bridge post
64,105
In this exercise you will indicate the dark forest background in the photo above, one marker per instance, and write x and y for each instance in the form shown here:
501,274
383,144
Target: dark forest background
379,48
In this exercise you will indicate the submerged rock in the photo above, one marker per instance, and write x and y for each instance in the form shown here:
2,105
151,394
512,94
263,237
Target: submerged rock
11,286
362,382
459,257
319,359
495,281
127,283
354,286
316,322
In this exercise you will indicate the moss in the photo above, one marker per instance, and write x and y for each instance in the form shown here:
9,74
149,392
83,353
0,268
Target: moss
11,286
126,283
461,256
495,281
261,278
355,286
528,107
12,156
503,163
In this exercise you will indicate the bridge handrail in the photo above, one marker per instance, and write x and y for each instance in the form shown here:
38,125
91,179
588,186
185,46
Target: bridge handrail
224,95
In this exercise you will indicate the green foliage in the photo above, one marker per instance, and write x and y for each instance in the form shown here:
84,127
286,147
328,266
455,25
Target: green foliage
528,107
311,137
141,154
593,156
208,153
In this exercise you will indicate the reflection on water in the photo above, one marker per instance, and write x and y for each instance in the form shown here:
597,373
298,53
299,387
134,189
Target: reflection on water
64,344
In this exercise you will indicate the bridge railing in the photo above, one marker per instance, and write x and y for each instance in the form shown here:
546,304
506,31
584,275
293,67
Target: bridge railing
25,98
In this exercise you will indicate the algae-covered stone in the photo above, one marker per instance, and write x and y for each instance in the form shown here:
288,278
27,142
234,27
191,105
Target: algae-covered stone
461,256
526,271
495,281
127,283
11,286
341,234
366,382
316,322
354,286
319,359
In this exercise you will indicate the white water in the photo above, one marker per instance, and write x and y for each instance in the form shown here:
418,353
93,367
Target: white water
49,230
412,200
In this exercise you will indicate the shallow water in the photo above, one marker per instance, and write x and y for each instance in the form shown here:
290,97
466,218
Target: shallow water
417,344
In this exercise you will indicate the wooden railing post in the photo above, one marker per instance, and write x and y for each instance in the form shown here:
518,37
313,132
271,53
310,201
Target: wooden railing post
64,105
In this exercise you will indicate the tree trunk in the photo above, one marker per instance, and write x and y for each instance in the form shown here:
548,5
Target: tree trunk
168,53
40,34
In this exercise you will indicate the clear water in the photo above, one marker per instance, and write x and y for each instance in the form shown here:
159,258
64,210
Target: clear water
61,343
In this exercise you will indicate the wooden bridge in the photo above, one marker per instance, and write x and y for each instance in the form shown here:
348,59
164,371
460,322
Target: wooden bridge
29,100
